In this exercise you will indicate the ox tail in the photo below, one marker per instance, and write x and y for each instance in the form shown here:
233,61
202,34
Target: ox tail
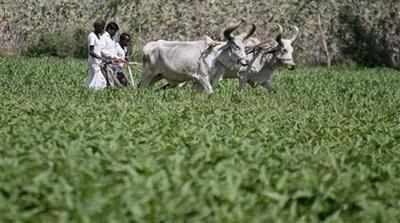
149,58
145,59
150,52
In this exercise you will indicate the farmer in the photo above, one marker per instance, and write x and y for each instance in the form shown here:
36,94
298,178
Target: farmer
96,79
122,52
114,56
109,50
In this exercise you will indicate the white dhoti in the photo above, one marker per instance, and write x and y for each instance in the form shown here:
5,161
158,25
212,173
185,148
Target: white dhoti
96,78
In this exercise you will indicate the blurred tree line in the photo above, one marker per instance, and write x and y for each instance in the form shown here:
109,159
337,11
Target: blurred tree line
365,32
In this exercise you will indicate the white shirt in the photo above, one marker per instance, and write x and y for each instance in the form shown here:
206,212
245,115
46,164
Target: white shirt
120,53
98,45
112,50
109,49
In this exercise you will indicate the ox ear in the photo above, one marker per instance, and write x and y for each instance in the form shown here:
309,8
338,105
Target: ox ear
268,44
213,43
273,49
210,42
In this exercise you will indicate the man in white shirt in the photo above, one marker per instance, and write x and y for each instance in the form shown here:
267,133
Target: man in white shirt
96,79
109,50
122,52
113,55
122,45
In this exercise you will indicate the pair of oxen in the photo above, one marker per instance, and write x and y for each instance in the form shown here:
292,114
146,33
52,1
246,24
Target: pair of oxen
205,62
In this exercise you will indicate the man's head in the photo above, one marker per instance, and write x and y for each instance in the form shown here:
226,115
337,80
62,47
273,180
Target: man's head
124,39
99,26
112,28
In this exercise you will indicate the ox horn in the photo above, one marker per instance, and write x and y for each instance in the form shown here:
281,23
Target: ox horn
251,31
228,31
280,28
279,37
211,42
296,34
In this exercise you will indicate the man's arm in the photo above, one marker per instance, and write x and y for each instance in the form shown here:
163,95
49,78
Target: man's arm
105,53
92,42
93,54
126,54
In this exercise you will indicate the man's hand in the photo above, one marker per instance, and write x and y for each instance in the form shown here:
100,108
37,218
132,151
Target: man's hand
119,60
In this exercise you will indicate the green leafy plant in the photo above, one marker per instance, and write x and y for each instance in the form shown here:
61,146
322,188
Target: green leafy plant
324,148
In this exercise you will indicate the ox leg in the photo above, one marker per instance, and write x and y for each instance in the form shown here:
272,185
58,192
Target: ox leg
268,82
196,86
155,79
149,80
216,79
145,80
170,85
183,84
204,82
242,81
252,83
217,76
165,87
268,85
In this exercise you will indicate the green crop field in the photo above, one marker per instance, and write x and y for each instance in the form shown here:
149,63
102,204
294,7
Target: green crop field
324,148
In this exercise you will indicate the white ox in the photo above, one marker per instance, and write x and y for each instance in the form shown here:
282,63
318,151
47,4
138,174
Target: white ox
182,61
263,59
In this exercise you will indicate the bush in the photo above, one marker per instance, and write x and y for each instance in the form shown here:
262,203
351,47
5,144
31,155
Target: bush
370,38
367,31
59,44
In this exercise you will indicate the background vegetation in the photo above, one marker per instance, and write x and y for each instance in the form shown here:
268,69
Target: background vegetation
335,31
324,148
